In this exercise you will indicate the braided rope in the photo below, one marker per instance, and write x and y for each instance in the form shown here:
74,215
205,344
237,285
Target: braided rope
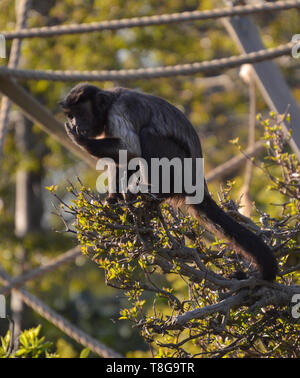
35,273
146,73
151,20
13,63
60,322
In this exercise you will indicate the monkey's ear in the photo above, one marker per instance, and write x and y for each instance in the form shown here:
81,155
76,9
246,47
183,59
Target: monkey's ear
62,103
103,99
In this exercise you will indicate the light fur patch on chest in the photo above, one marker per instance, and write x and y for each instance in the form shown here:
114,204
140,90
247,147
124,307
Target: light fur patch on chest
101,136
122,128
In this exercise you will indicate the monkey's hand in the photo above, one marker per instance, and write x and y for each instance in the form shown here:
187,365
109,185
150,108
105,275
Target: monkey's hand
74,133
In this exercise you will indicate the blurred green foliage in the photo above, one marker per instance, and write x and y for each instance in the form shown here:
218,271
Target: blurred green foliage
31,345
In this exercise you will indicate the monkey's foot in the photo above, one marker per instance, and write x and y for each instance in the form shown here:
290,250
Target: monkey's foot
113,199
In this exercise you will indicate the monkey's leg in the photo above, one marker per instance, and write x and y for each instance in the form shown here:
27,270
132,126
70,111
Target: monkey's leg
155,146
101,148
120,187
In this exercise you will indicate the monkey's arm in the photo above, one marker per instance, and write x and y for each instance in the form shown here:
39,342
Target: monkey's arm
108,147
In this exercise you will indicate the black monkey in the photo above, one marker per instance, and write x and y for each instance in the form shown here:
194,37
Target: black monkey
103,122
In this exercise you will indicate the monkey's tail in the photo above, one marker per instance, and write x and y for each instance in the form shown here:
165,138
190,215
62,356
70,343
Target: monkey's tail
244,241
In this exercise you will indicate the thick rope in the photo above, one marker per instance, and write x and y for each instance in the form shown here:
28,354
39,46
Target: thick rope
38,272
13,63
60,322
146,73
151,20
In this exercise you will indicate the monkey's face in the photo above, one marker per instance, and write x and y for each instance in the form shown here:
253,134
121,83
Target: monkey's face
81,118
86,109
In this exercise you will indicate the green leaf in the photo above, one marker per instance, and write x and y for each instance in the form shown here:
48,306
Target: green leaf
85,353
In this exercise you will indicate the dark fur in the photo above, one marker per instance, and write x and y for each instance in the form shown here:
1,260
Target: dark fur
148,126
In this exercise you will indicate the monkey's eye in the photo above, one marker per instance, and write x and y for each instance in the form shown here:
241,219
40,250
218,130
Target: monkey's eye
70,115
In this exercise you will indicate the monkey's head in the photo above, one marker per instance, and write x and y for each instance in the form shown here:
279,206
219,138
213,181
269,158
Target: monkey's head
86,108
